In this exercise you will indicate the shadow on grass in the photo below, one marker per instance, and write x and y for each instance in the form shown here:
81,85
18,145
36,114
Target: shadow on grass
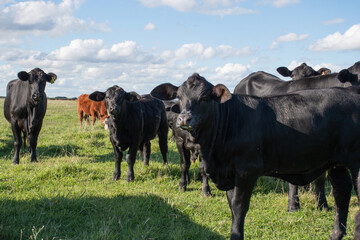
41,152
7,149
173,157
120,217
58,150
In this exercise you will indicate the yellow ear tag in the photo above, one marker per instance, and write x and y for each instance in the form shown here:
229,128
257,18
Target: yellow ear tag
52,80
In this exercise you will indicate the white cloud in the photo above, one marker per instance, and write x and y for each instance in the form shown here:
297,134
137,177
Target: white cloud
334,21
290,37
94,50
198,50
2,2
180,5
86,65
149,27
209,7
41,17
280,3
350,40
230,74
229,11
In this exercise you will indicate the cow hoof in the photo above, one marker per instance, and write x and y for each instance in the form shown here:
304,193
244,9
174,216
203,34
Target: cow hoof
34,161
146,163
206,193
182,189
15,162
130,178
165,163
324,207
293,208
116,176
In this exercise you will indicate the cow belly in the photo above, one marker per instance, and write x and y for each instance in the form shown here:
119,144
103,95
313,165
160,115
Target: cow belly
293,157
300,179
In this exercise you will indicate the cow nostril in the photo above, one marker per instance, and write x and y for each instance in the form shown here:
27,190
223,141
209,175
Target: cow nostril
37,96
184,119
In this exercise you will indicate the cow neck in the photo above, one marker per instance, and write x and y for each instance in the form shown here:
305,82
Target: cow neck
35,114
213,135
127,118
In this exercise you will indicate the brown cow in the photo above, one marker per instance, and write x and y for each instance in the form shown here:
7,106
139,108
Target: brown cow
96,110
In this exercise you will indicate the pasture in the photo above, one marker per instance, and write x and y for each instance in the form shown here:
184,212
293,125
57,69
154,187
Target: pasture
70,194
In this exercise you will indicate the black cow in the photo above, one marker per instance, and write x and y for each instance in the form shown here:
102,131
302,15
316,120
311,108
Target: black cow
25,108
302,71
188,150
134,121
264,84
295,137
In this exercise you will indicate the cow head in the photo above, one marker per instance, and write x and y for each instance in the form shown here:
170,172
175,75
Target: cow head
37,79
172,110
302,71
116,99
346,76
197,100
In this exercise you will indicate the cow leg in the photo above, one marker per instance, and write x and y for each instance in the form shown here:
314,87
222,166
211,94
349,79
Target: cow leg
342,185
184,164
33,137
205,181
354,176
93,116
17,142
81,117
239,201
163,138
320,192
130,159
118,155
357,216
293,201
146,153
87,119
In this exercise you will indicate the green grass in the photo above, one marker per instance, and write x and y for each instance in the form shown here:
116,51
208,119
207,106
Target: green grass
69,193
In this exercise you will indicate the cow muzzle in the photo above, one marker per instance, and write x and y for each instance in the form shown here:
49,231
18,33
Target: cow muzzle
113,110
37,97
184,121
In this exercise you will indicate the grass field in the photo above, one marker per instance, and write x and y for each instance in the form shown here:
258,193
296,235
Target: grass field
70,194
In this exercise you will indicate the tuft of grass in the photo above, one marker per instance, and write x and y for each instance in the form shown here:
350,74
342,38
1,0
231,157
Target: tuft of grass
70,194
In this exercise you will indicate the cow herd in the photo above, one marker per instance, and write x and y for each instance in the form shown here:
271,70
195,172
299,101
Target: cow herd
294,130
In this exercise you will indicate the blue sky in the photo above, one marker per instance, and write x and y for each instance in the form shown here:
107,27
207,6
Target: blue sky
138,44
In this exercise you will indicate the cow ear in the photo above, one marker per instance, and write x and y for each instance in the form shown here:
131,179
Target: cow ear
346,76
23,76
165,91
175,108
221,93
284,71
51,78
324,71
97,96
132,97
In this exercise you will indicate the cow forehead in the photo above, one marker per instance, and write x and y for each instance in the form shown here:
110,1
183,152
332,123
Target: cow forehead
114,92
37,71
304,67
194,87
